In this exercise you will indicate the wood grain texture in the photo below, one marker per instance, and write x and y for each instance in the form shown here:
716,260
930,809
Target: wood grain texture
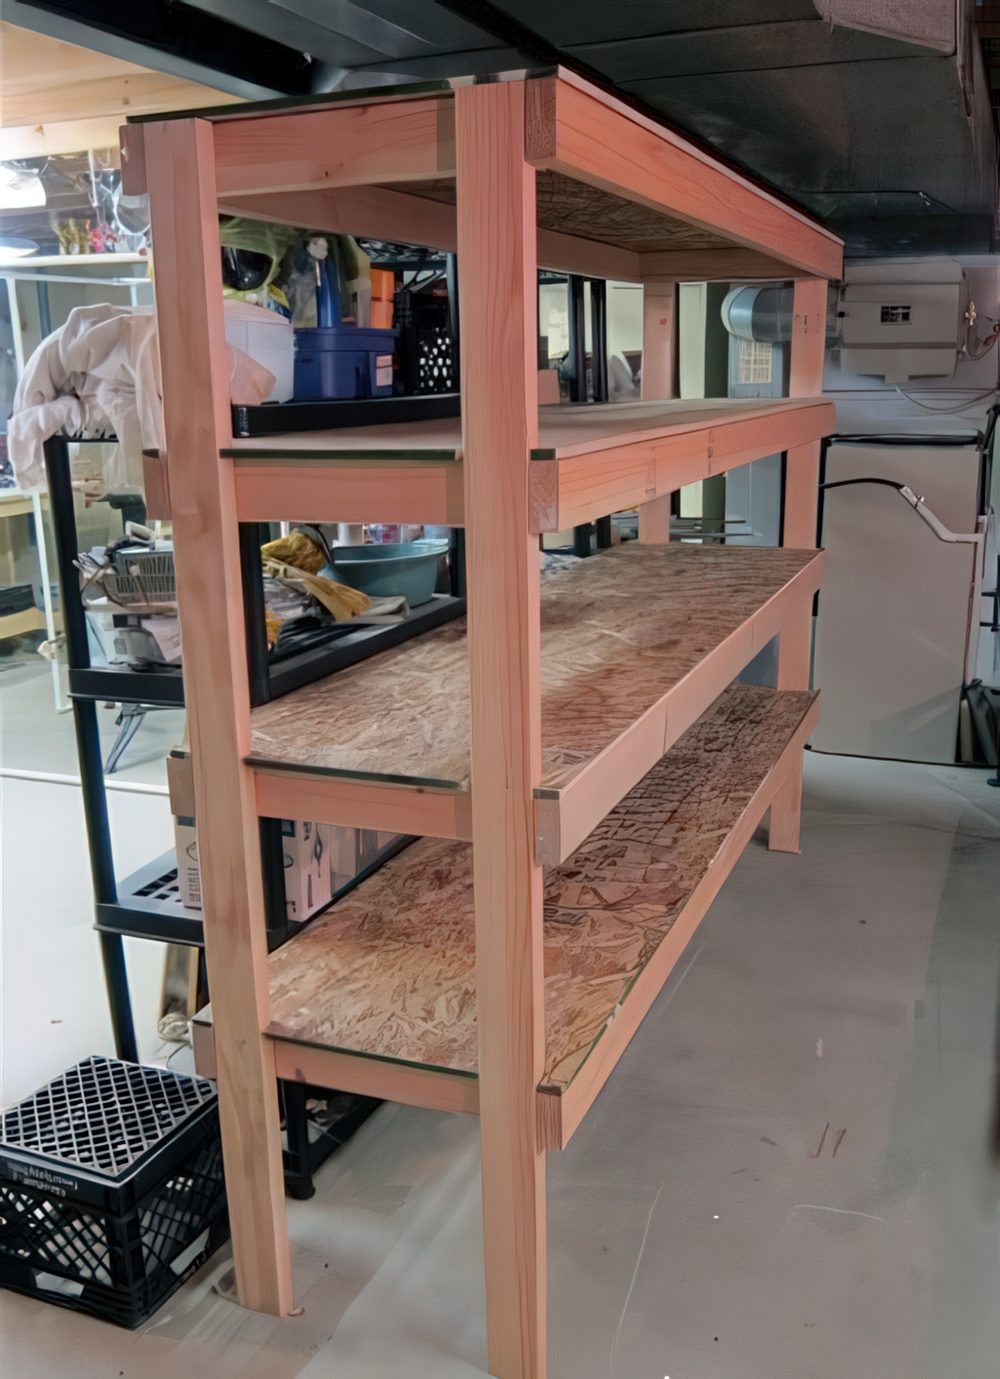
588,139
805,379
785,817
583,467
561,1110
341,146
597,229
156,487
132,150
578,488
618,632
699,152
498,299
563,430
47,81
588,461
323,1067
389,971
375,212
362,804
659,379
801,498
192,342
320,490
708,265
392,213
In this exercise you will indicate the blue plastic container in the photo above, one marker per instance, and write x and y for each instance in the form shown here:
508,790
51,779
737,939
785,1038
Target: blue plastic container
343,361
409,568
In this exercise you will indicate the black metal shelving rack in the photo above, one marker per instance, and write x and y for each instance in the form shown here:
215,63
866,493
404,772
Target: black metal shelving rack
146,903
88,687
600,530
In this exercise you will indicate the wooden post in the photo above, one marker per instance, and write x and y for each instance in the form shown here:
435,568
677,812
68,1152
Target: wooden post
805,380
497,295
799,530
180,169
659,379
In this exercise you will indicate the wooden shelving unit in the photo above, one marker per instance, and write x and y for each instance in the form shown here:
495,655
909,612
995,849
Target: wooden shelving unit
390,973
583,732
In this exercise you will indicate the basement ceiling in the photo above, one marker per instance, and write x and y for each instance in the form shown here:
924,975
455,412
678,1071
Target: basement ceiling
873,114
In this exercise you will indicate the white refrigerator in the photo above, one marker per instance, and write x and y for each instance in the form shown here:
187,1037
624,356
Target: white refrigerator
899,610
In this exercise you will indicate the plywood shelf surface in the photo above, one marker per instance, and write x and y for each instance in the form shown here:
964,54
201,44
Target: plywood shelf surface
388,973
636,641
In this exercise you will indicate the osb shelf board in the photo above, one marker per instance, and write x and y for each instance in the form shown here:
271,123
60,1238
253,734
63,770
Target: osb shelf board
564,430
575,208
389,971
619,630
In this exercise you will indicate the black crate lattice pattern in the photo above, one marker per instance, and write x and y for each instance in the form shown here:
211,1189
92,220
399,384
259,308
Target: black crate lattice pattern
103,1115
111,1188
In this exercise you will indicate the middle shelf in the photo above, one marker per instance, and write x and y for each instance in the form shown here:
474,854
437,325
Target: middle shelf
636,642
591,460
378,995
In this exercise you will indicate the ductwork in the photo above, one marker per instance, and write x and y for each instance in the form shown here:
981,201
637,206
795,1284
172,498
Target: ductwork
873,114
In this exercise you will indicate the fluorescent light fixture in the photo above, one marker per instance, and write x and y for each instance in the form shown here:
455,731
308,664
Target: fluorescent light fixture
12,249
20,190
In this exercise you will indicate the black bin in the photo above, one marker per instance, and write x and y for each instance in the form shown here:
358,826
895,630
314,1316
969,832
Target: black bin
111,1188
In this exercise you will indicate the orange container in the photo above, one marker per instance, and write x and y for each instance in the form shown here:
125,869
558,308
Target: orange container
383,291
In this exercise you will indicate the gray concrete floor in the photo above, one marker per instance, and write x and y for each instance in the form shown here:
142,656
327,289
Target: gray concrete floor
793,1173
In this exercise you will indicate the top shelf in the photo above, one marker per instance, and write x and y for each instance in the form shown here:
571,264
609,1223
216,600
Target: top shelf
590,460
619,195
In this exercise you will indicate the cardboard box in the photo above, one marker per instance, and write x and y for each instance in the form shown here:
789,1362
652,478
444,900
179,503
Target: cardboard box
319,858
188,871
308,874
180,783
344,862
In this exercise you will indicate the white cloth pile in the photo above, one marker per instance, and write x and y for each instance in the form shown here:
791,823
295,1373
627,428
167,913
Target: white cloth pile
99,375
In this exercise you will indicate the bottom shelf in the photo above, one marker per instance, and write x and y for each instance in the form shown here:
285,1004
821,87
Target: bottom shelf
378,995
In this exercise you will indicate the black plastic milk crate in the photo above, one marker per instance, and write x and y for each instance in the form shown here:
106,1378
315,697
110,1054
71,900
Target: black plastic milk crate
111,1188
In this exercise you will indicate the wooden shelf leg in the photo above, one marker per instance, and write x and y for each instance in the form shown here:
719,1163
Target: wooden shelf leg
654,521
659,379
180,168
805,380
794,652
497,296
784,819
801,496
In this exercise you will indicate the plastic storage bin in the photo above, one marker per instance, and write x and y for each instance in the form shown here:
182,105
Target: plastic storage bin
111,1188
343,361
409,568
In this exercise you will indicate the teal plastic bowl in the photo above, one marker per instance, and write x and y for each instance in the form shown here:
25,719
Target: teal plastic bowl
409,568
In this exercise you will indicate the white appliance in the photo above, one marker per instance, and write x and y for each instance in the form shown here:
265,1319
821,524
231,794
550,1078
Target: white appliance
902,319
898,614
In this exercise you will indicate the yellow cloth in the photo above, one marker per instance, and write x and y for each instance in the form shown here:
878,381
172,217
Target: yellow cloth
339,599
296,549
273,624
